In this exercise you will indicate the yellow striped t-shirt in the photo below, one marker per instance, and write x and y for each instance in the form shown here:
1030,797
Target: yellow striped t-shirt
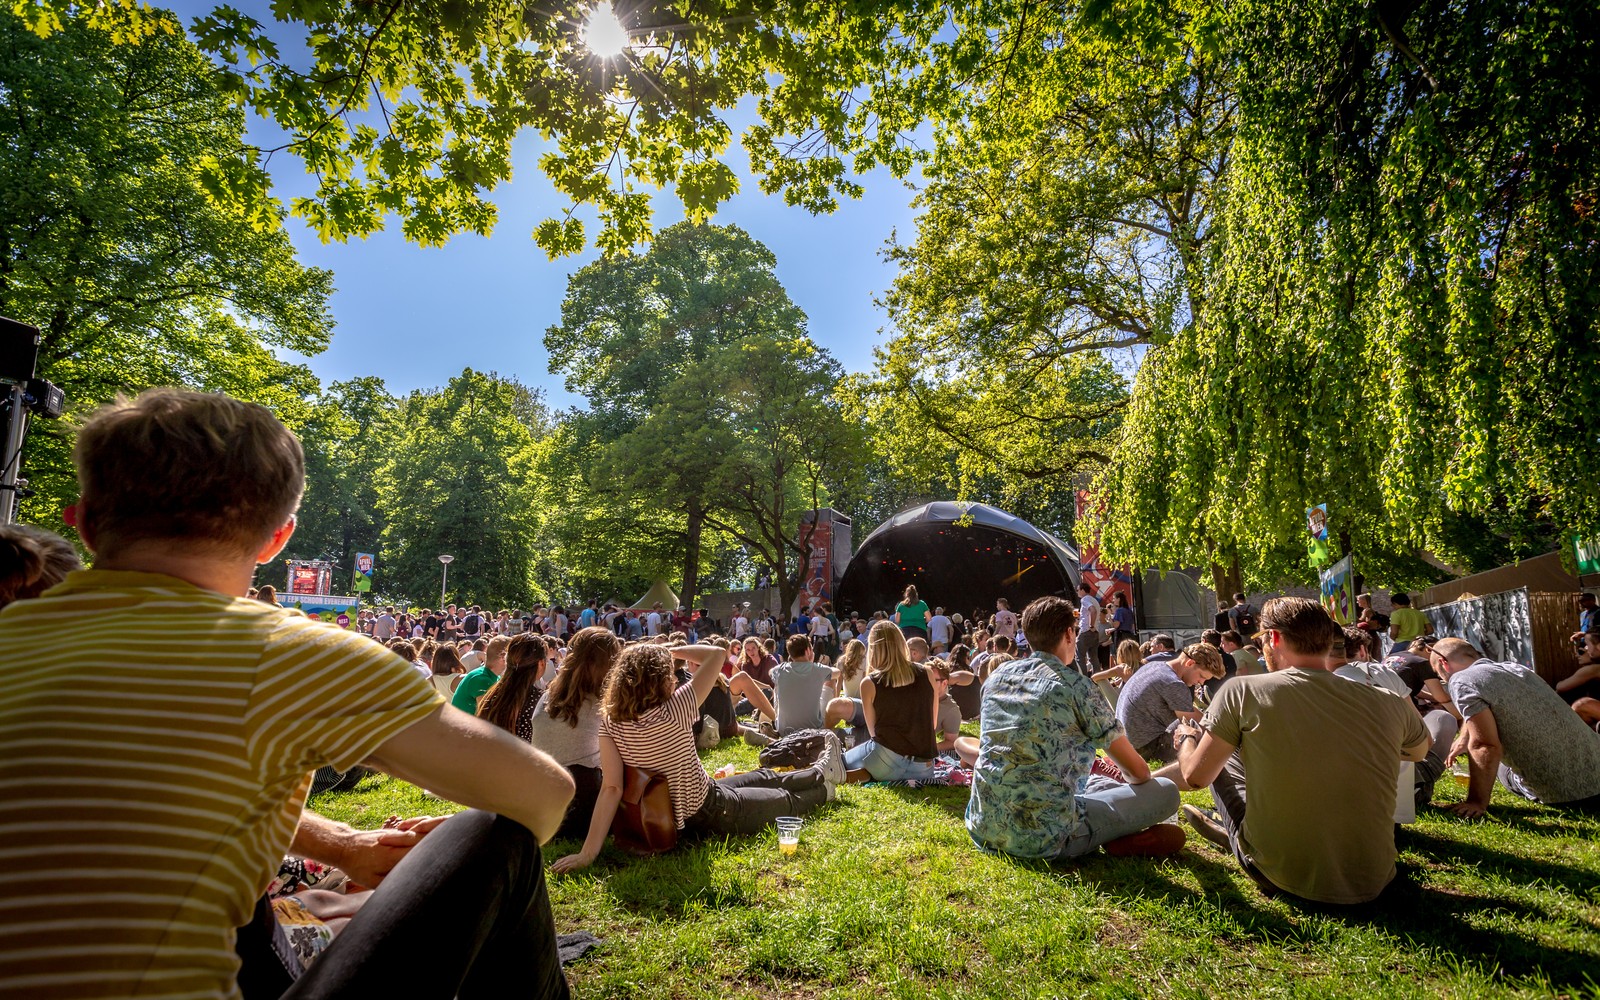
156,744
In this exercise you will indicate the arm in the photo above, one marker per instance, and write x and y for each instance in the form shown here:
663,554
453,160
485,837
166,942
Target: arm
605,810
477,764
868,689
708,662
962,678
1200,759
1483,747
366,856
1134,767
1437,692
1585,673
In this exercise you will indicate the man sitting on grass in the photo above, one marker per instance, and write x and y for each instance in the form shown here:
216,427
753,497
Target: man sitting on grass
161,732
1316,758
1162,692
1519,730
1032,792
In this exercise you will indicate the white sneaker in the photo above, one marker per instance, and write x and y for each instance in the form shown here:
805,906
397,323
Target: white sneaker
831,763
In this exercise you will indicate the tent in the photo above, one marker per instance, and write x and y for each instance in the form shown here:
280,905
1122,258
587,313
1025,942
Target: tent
962,556
658,592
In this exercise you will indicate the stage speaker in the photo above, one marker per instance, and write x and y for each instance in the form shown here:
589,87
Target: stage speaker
19,351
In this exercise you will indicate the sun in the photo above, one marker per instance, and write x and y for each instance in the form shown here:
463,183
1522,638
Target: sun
603,33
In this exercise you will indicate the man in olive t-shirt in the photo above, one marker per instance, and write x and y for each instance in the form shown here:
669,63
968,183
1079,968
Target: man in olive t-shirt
1405,622
1315,758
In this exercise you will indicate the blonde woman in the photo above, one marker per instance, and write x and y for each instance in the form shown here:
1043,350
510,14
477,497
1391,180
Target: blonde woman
848,674
898,701
1110,680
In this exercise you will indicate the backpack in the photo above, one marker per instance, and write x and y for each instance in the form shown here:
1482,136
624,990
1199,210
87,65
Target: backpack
1244,620
472,624
801,748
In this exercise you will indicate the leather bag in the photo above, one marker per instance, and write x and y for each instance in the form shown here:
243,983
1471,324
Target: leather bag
644,823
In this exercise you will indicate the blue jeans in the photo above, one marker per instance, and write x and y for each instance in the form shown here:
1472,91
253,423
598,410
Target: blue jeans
1115,810
886,765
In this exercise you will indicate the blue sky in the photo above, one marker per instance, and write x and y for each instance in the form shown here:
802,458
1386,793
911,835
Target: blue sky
415,316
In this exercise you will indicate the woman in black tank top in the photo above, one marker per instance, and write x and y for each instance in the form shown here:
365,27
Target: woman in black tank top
899,702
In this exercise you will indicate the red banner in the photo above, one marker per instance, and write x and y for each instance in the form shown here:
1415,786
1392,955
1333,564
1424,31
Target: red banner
1106,580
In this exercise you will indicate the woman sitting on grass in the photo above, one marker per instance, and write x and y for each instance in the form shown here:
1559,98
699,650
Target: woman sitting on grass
848,674
447,669
647,721
1109,680
563,721
898,701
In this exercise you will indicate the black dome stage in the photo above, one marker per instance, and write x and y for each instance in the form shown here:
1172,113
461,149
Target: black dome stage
960,567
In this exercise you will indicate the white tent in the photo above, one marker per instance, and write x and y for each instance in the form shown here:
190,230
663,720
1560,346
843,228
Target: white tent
658,592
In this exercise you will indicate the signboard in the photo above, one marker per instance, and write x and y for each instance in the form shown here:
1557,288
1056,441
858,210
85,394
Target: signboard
1587,551
1338,591
310,576
363,578
1317,529
1106,580
323,607
818,587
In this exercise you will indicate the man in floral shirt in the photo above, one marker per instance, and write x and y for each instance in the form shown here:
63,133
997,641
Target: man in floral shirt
1032,792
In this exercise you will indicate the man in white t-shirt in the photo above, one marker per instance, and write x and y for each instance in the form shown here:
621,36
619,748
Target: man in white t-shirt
939,630
1088,630
1005,620
763,624
652,621
741,624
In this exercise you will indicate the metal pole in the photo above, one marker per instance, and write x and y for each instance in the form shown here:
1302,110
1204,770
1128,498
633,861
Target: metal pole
11,454
443,578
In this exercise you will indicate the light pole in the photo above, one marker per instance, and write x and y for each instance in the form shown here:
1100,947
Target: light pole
444,577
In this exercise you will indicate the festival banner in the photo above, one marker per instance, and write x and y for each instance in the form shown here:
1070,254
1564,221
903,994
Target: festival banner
1587,553
1106,580
1338,591
363,578
818,587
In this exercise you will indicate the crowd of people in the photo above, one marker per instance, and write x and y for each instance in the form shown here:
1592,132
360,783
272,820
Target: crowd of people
159,721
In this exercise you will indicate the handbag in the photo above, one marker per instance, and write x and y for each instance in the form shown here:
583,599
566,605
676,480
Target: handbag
644,823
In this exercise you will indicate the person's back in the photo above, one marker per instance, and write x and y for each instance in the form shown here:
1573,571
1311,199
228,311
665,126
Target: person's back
1321,756
1149,702
1553,754
904,716
797,685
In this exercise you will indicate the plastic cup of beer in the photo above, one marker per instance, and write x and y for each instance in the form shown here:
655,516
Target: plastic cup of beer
788,833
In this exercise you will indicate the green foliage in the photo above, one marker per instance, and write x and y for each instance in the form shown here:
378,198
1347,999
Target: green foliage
454,482
111,246
710,409
350,433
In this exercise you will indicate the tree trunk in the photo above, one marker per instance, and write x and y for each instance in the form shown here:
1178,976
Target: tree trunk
691,556
1226,580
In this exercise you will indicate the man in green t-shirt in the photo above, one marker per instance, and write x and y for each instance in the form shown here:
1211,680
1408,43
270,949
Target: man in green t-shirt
1405,622
478,682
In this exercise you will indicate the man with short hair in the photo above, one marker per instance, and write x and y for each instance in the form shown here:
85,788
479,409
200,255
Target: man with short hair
1519,730
383,625
1088,645
1243,656
939,630
1313,755
1241,617
1588,616
1405,622
1033,793
590,615
182,495
652,621
472,623
797,687
917,646
1159,694
1162,648
475,684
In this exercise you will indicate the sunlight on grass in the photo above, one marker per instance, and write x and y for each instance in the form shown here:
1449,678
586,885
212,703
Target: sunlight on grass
887,898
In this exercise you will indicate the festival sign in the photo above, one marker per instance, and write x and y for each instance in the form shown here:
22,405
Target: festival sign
819,566
363,578
1587,552
1317,528
1106,580
1338,591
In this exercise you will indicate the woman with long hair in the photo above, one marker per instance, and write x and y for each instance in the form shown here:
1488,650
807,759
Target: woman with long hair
510,702
911,614
1111,679
965,688
447,669
848,673
564,722
267,594
648,721
898,701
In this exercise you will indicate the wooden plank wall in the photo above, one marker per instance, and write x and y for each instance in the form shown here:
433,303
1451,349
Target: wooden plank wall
1553,618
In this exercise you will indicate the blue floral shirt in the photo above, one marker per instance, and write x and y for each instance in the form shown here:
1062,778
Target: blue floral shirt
1041,724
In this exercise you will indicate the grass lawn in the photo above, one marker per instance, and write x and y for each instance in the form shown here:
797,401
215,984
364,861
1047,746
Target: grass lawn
888,898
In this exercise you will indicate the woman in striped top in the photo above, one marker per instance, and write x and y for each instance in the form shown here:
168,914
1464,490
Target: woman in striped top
648,721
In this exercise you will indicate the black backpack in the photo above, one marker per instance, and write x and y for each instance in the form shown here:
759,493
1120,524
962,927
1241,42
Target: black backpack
1244,620
801,748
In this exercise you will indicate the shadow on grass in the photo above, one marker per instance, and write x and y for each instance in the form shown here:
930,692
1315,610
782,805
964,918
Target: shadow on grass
1428,918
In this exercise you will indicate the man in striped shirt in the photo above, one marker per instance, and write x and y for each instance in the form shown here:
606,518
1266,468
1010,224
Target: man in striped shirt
158,734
